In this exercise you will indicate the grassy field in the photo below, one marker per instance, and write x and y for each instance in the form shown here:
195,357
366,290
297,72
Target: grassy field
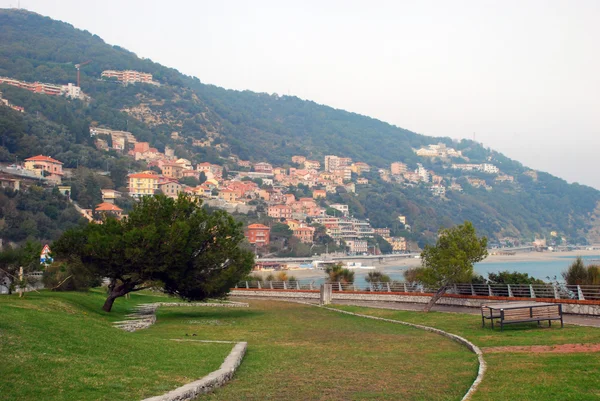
61,346
520,376
298,352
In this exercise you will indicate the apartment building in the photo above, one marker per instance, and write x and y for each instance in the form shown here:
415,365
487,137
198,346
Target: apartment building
398,168
143,184
170,188
258,234
128,76
280,211
305,234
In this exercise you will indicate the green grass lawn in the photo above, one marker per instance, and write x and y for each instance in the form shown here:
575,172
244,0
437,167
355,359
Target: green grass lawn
298,352
519,376
61,346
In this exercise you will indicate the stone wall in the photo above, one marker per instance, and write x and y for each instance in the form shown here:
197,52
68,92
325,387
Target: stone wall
473,301
210,382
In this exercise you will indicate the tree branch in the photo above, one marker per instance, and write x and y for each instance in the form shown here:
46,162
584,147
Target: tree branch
61,283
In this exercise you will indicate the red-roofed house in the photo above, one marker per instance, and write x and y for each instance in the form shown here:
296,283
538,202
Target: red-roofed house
172,170
280,212
305,234
258,234
44,166
143,184
319,193
108,209
170,187
263,167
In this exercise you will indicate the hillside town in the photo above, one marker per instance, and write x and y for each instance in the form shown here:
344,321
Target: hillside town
258,187
263,188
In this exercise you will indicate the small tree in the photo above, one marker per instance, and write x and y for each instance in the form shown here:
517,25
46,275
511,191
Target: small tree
338,273
13,259
577,273
452,258
376,278
185,249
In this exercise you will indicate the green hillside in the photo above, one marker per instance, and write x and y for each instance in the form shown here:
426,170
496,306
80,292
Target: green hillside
262,127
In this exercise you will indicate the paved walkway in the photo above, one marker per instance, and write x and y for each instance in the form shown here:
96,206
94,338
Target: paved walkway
580,320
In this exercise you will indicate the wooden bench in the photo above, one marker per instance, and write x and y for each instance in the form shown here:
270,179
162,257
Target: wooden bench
490,314
522,312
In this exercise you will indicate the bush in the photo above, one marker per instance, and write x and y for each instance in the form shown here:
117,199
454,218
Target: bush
70,276
577,273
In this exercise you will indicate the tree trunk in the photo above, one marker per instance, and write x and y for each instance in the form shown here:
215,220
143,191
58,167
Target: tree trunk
116,291
109,303
435,298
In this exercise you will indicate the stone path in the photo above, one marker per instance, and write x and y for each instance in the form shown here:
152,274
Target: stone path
142,318
144,315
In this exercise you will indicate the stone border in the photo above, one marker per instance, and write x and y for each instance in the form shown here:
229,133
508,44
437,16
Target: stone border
209,382
145,315
459,339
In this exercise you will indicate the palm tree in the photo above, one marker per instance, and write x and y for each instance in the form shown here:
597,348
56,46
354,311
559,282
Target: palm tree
338,273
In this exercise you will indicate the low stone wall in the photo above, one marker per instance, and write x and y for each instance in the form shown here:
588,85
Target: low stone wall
570,306
210,382
461,340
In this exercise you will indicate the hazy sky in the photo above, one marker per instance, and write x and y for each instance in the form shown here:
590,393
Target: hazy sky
520,76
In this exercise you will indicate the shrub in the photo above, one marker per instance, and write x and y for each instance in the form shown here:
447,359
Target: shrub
577,273
70,276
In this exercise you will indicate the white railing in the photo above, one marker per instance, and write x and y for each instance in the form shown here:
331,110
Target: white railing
554,290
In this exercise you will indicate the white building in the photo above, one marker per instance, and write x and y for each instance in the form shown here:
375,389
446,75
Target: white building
423,173
489,168
342,208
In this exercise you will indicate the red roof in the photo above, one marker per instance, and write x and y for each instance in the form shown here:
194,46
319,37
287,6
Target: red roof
108,207
258,226
42,158
143,175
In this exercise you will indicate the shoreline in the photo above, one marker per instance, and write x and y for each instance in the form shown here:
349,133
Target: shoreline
407,263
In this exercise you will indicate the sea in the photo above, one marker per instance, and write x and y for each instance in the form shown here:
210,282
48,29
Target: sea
547,270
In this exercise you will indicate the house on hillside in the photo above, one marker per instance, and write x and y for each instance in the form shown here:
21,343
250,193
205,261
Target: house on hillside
170,187
258,234
143,184
45,166
106,209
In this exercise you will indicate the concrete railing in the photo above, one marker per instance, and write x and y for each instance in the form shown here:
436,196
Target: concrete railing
551,290
454,297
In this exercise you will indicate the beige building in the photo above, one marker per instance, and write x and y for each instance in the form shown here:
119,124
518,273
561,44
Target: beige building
143,184
45,166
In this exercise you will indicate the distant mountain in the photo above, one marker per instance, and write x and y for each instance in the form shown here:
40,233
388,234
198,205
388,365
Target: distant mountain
263,127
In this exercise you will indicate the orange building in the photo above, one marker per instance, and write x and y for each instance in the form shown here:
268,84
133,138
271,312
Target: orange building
44,165
280,212
106,209
319,193
305,234
258,234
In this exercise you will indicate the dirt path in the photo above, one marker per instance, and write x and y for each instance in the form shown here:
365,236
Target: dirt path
537,349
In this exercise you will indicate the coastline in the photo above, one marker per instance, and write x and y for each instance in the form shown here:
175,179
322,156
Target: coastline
412,262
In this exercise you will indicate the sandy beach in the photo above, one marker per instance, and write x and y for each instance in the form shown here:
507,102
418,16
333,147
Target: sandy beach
413,262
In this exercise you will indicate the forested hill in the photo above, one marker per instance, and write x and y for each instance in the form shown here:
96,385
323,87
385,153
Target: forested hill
261,127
